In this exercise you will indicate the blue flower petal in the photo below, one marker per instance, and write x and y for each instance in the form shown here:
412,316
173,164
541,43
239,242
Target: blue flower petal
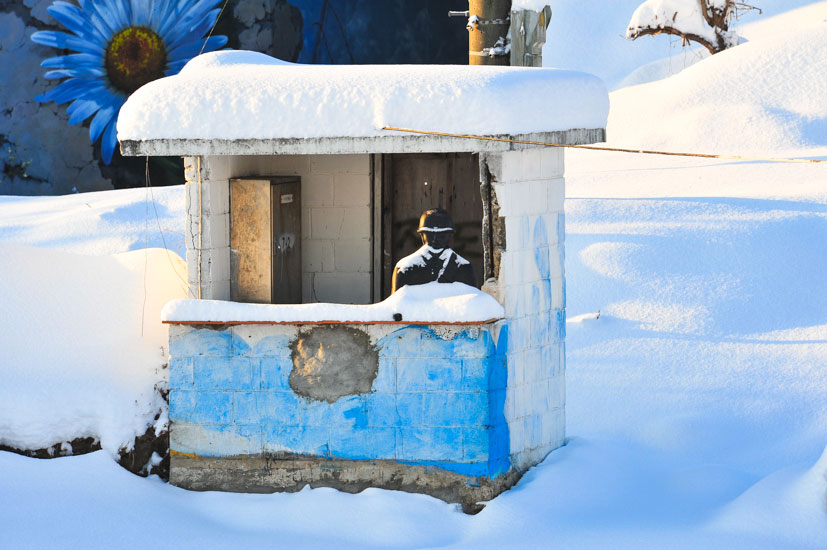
181,24
141,10
68,90
109,14
175,67
193,27
159,13
124,10
191,49
109,141
102,118
81,109
192,12
61,40
74,19
84,72
73,60
99,15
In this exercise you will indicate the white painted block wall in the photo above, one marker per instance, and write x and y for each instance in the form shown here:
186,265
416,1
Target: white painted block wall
530,189
336,222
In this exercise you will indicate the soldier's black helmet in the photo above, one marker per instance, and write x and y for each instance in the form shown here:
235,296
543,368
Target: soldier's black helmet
435,220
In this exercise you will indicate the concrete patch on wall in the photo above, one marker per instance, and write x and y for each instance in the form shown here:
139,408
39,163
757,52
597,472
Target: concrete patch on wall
330,362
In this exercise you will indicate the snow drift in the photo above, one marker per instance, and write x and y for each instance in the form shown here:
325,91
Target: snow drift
762,97
82,348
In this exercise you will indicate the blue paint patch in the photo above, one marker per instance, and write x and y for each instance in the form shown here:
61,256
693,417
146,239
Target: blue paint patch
369,443
245,408
561,325
302,440
359,415
181,405
180,373
380,410
475,444
456,409
475,374
445,411
280,407
561,227
385,381
268,346
274,372
223,373
410,409
414,375
425,443
197,342
499,438
212,407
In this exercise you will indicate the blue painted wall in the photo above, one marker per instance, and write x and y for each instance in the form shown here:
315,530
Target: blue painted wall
436,400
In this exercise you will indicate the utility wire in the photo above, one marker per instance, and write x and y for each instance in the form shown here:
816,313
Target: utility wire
613,149
204,45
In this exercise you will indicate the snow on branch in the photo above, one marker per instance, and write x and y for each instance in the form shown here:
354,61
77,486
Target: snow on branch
703,21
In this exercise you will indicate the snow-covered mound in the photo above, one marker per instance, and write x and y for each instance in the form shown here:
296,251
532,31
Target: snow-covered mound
239,95
589,36
432,302
98,223
762,97
81,344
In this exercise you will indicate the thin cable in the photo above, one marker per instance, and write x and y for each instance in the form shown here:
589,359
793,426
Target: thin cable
160,230
612,149
204,45
146,243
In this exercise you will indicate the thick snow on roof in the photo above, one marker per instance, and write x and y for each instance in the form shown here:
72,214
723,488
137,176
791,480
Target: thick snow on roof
247,95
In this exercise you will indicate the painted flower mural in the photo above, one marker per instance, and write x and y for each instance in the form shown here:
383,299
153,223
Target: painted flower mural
121,45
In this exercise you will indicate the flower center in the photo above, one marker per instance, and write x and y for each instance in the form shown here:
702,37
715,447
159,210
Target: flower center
135,56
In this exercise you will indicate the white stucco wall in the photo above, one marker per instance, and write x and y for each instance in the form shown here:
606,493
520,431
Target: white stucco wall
530,189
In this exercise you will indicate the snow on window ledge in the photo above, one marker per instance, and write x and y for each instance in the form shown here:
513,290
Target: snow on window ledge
432,303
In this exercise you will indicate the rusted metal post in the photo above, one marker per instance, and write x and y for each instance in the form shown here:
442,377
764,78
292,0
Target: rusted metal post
489,42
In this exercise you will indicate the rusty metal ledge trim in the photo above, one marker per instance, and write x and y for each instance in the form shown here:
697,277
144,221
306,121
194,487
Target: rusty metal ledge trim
218,323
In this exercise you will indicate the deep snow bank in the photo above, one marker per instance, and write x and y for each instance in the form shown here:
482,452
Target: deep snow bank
100,223
82,348
762,97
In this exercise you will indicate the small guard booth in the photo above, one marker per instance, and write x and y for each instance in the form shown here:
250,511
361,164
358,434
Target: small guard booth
287,366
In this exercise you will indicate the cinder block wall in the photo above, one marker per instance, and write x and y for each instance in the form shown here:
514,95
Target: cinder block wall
437,399
336,222
530,190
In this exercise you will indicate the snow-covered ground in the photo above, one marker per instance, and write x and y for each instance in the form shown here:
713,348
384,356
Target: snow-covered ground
696,349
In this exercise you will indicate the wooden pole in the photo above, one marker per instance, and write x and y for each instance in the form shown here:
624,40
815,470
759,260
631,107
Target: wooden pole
488,24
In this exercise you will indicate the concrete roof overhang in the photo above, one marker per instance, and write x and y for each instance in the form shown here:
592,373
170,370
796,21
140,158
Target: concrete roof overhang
393,142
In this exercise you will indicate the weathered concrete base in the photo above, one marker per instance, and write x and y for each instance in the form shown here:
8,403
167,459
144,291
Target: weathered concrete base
291,473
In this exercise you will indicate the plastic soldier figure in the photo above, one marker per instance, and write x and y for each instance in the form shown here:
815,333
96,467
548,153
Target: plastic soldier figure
435,260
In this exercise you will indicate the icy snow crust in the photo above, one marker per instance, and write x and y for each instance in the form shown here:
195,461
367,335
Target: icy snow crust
432,302
242,95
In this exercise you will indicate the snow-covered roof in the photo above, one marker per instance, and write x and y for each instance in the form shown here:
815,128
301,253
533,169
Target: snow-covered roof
253,103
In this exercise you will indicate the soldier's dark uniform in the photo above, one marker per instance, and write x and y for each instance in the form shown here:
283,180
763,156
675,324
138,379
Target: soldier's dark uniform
435,260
